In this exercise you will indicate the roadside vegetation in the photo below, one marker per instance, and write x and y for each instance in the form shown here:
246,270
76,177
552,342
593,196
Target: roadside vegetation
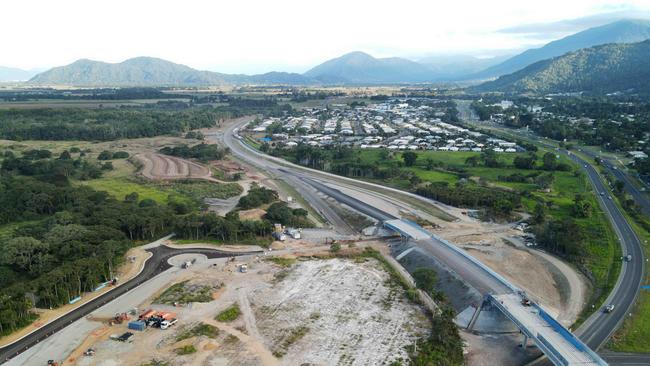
615,123
634,335
202,152
197,330
229,314
185,350
184,292
256,197
562,208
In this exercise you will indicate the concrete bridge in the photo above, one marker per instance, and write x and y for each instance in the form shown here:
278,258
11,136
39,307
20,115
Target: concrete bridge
536,325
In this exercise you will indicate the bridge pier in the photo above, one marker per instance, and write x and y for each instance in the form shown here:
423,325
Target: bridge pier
477,312
524,343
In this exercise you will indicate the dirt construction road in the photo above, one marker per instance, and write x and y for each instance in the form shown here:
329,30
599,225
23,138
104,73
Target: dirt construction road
157,166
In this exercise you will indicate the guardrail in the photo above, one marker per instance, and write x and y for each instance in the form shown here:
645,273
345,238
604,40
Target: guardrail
467,256
569,336
552,350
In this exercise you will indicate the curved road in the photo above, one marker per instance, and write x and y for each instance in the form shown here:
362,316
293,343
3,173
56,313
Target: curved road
156,264
595,331
599,327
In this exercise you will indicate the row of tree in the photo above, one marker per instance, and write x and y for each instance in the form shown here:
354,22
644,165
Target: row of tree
203,152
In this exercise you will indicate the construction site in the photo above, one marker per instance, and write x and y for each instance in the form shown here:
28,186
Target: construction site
263,310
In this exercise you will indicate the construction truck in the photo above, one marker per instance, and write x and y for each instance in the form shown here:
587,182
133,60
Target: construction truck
168,323
279,236
119,318
294,233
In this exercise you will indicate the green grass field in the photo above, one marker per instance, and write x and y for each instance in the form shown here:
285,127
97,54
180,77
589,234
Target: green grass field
601,242
120,187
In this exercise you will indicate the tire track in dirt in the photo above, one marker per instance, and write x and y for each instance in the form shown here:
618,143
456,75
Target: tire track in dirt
160,167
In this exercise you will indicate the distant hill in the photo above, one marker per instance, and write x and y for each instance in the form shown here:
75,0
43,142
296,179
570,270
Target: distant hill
623,31
361,68
9,74
600,69
454,67
149,71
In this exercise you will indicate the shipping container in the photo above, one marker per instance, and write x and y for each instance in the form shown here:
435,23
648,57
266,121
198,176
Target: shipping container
137,325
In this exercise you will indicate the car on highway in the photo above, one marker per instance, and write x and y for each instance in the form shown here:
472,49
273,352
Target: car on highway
609,308
627,258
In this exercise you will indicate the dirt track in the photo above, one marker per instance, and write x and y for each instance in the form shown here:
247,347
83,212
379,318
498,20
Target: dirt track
157,166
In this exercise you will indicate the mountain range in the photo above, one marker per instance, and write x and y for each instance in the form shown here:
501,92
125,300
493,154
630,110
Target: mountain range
355,68
351,68
150,71
12,74
609,68
623,31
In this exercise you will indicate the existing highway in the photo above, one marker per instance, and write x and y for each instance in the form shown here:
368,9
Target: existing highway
156,264
599,327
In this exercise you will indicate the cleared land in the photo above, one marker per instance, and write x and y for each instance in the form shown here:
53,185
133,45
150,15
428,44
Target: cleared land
288,315
158,166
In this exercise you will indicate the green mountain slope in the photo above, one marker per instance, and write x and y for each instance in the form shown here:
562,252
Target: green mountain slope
623,31
149,71
601,69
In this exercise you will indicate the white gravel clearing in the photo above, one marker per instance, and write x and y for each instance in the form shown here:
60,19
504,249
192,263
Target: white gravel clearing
351,313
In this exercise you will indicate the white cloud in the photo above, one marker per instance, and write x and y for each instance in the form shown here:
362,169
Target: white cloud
260,35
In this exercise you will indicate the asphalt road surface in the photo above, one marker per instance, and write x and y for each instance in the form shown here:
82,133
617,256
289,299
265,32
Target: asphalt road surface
156,264
599,327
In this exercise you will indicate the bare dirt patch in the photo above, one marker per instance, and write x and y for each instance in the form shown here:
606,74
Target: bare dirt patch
336,311
158,167
252,214
555,285
333,311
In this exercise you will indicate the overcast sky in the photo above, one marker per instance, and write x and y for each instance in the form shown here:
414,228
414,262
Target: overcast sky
251,36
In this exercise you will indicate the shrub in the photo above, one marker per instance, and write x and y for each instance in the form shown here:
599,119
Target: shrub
229,314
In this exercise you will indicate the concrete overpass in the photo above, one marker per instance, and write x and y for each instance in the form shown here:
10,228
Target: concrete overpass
551,337
558,343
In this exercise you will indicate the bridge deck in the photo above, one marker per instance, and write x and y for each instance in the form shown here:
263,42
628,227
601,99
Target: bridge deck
405,228
542,328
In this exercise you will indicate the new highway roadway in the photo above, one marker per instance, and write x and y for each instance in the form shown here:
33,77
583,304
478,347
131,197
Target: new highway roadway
595,331
157,263
600,326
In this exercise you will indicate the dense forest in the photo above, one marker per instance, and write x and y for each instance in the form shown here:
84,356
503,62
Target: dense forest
59,240
88,94
607,68
103,124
